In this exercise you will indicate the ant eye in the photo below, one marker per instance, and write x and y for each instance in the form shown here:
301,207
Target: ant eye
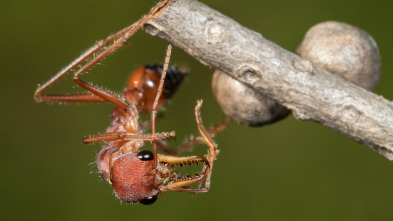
145,155
149,200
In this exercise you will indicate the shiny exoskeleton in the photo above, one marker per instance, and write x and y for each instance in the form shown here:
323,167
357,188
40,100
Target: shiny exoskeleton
140,176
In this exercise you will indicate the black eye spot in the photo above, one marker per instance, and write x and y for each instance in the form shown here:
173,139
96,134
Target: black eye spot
145,155
149,200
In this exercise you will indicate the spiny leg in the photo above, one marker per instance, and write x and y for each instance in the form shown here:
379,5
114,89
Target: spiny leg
117,44
97,95
213,151
159,92
86,55
115,136
110,97
199,139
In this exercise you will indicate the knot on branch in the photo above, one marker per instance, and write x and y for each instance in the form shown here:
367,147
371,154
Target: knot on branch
214,31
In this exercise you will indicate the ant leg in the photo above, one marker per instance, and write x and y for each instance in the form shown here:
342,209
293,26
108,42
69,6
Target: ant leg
105,95
159,92
199,139
118,102
85,98
119,39
86,55
204,178
115,136
188,190
110,97
147,123
165,148
207,139
117,44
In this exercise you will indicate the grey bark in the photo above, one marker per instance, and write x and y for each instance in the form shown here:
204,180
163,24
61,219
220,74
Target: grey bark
309,91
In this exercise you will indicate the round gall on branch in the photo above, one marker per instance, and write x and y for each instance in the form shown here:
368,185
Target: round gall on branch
340,48
344,50
243,104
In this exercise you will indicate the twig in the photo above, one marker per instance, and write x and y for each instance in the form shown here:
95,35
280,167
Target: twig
309,91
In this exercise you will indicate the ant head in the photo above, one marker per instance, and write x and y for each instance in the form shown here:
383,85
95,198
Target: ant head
134,178
143,86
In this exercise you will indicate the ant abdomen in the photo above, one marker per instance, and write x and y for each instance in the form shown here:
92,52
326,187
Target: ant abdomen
143,86
174,77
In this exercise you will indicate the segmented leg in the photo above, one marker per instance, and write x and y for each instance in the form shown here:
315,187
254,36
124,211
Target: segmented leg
89,53
159,92
213,152
115,136
99,95
199,139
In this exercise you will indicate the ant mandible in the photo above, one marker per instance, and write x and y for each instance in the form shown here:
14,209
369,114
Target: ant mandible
138,176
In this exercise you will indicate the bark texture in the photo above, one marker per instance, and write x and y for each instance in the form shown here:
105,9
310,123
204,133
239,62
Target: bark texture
309,91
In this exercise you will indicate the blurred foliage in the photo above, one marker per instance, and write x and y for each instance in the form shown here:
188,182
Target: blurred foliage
291,170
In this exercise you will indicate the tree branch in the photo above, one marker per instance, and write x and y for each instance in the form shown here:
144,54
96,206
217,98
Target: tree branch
309,91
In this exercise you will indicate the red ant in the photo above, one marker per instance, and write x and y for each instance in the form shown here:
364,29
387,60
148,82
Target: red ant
138,176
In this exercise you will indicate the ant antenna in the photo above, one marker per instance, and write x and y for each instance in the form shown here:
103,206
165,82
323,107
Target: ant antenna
159,92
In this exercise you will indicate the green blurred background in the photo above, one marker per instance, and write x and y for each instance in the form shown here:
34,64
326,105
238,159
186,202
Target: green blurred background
291,170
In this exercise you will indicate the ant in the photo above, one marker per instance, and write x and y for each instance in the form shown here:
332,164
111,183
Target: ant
138,176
